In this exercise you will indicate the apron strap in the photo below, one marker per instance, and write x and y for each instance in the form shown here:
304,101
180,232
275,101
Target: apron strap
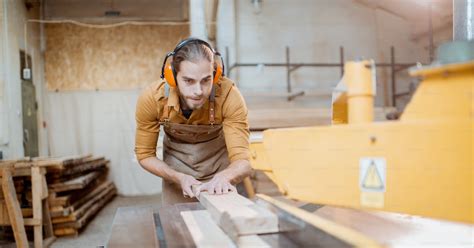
166,109
212,100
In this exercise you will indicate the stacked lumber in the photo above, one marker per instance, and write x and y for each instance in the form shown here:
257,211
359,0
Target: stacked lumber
78,189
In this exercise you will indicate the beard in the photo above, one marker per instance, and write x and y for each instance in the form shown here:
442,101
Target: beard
193,103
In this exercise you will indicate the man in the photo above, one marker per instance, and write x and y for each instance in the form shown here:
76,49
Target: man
204,116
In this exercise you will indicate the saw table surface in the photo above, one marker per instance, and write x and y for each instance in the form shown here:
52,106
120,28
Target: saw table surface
153,226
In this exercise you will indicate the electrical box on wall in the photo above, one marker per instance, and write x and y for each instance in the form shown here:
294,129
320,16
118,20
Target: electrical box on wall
26,75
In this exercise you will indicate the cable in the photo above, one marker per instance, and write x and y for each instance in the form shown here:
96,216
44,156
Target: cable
102,26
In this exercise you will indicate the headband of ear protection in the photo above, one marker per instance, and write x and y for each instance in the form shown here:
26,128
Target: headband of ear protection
168,72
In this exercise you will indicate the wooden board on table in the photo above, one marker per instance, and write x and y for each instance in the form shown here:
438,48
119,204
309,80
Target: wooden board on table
237,215
133,227
206,233
171,231
203,229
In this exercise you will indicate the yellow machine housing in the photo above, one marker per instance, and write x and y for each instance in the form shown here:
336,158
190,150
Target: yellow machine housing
421,164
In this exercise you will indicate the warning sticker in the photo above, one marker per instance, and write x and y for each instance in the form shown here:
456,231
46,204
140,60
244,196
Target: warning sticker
372,182
372,174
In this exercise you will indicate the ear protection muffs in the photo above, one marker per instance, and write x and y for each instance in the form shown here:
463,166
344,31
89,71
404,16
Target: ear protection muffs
169,73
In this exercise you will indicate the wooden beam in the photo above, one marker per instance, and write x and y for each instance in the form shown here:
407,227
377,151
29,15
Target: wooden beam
14,212
205,232
237,215
37,190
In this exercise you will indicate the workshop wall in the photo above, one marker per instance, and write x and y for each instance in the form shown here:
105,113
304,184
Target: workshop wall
124,57
94,77
13,15
313,30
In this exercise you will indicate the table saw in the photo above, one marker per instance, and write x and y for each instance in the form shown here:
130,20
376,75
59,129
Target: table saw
362,183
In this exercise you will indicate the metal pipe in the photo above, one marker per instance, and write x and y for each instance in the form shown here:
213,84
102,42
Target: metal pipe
463,20
341,59
288,72
227,63
294,66
392,68
430,24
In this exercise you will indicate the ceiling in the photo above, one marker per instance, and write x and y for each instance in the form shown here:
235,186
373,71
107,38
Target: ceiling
417,12
156,10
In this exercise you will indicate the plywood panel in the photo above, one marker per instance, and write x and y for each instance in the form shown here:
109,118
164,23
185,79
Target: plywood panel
124,57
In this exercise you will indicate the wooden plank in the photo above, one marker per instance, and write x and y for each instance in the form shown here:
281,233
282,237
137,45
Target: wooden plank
88,166
65,231
203,229
5,219
37,189
94,209
76,183
64,211
32,222
71,167
132,227
237,215
88,209
60,161
59,201
48,225
252,241
14,212
171,231
103,186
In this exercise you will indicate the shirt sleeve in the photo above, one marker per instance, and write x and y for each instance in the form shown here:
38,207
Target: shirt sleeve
148,127
235,126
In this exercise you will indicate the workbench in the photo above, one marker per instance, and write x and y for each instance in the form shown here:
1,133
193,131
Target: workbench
152,226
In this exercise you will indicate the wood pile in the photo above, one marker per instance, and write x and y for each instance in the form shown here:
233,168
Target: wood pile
78,189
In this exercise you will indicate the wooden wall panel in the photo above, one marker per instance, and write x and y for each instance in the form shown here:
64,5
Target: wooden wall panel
125,57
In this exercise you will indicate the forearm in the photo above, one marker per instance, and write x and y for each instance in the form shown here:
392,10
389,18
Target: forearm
160,168
237,171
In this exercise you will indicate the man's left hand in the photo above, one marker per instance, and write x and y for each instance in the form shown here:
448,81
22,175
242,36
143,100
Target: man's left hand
219,184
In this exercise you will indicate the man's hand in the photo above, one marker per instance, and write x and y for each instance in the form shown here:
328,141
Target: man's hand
219,184
186,182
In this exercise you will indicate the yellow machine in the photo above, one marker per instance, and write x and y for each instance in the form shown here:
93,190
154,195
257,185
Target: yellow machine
421,164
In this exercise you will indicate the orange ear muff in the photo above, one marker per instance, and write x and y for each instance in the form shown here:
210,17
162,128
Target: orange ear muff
169,75
217,73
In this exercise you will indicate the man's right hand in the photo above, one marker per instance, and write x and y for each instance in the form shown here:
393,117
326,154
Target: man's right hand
186,182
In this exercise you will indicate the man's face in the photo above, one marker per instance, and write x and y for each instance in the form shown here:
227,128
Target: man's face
194,83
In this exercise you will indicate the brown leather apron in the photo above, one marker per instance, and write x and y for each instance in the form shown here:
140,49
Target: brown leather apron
196,150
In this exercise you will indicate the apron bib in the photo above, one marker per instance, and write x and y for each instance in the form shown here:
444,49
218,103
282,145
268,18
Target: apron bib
196,150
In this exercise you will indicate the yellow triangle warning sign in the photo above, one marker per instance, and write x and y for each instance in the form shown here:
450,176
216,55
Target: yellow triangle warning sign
372,179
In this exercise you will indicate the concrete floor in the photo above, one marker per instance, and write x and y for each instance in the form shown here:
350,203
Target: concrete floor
97,232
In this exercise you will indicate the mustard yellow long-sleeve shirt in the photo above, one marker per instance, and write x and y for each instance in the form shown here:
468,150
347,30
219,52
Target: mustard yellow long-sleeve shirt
230,111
